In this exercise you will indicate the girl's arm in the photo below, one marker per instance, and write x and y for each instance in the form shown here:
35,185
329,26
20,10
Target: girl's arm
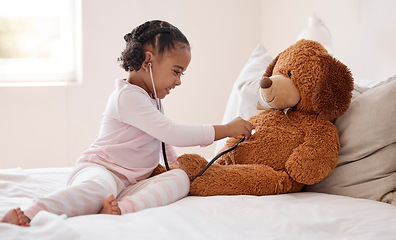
136,109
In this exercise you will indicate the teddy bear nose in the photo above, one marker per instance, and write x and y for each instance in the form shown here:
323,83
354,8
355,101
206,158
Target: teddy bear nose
265,82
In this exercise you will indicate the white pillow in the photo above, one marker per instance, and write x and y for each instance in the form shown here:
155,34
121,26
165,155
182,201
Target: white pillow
244,94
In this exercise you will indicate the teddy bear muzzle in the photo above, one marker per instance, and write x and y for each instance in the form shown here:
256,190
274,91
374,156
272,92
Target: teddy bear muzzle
279,92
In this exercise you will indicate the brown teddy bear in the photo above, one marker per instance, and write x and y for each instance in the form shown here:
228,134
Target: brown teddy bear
295,142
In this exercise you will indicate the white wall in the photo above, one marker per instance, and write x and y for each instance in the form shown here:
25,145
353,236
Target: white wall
51,126
363,31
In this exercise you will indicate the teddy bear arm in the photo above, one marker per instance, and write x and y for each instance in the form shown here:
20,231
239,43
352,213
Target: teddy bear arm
316,157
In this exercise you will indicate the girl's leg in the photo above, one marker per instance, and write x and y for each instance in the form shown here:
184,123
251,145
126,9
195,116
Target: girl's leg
157,191
85,195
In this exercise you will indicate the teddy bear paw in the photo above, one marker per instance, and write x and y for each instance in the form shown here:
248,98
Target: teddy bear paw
192,164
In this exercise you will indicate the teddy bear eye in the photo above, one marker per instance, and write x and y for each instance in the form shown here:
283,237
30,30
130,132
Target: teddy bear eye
289,73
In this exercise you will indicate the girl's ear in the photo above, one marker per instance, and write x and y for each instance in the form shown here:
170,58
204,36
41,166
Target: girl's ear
149,56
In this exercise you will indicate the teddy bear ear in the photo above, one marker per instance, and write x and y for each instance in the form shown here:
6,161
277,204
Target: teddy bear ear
333,92
270,68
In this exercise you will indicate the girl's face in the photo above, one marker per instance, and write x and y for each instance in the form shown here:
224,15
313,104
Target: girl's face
168,69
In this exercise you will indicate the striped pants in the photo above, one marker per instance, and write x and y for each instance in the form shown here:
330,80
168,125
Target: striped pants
90,186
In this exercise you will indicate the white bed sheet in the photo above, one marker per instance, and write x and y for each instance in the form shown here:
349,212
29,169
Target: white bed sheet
301,215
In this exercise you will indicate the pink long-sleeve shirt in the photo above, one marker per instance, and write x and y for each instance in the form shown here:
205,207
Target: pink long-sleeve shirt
129,141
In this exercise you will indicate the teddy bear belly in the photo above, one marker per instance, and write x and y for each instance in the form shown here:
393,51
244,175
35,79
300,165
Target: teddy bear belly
269,146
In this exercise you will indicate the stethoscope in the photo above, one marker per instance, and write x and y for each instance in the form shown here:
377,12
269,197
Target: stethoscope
159,107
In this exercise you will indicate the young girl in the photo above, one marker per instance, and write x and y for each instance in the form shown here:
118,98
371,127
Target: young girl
112,176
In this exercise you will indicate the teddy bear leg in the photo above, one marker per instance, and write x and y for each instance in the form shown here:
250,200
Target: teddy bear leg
192,164
158,170
161,169
243,180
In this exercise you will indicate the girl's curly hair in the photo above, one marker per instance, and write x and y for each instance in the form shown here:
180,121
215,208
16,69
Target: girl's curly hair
159,34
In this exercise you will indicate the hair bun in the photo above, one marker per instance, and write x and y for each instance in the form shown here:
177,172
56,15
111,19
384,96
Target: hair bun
128,37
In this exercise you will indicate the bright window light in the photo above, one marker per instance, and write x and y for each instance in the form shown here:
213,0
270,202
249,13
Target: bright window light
38,42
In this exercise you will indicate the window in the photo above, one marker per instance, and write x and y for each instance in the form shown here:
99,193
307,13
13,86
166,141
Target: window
38,42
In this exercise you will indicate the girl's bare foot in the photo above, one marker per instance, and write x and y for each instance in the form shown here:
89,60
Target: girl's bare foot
110,206
17,217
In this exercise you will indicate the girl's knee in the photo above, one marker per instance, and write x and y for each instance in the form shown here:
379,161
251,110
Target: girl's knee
180,173
183,180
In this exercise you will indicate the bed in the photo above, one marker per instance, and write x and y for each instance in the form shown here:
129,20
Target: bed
357,201
304,215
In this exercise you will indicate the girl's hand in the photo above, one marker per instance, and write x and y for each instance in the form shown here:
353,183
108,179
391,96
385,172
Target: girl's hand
235,128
